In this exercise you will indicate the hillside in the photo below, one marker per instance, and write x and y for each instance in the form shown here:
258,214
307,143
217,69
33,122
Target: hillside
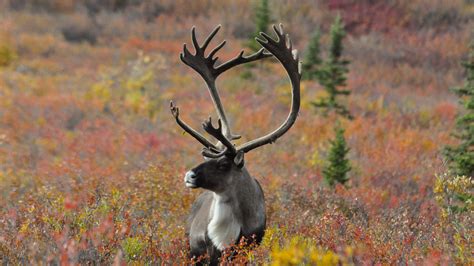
92,162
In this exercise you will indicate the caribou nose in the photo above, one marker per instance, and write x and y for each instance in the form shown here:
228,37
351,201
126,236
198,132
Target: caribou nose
190,179
190,175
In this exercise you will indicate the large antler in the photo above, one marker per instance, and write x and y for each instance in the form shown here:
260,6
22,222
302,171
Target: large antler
205,66
289,59
281,48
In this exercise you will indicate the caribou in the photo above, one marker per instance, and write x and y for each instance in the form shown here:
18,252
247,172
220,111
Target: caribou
232,207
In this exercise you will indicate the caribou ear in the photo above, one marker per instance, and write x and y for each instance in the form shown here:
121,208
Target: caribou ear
239,159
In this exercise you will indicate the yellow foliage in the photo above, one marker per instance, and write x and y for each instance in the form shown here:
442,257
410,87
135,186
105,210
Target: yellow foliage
133,248
139,82
454,196
377,105
51,221
100,91
24,227
320,94
283,92
136,101
316,160
115,199
301,251
425,117
446,187
134,88
305,101
7,55
272,237
41,121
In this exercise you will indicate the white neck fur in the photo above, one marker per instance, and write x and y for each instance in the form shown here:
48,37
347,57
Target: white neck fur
224,228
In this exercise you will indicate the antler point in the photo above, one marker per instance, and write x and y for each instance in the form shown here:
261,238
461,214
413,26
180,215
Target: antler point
260,40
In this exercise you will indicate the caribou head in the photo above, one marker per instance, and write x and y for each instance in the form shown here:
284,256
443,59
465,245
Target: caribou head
233,205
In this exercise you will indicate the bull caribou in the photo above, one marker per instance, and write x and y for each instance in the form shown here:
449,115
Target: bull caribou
233,205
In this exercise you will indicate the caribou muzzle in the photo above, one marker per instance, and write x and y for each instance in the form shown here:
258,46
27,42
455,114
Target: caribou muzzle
190,179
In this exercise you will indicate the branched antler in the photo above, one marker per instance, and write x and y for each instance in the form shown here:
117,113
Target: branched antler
281,48
217,133
205,66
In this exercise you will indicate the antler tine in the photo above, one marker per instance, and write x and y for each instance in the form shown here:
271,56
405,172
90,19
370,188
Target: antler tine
210,37
195,42
219,135
215,50
290,45
175,112
283,52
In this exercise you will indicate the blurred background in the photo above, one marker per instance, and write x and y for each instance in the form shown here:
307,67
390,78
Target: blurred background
91,160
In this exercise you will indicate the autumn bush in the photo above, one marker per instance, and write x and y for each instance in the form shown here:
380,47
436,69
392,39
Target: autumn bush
455,197
91,161
7,54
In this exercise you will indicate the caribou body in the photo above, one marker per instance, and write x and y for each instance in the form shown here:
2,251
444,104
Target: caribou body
233,205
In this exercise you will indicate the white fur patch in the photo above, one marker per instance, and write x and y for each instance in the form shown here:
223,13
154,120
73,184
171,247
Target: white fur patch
223,229
188,179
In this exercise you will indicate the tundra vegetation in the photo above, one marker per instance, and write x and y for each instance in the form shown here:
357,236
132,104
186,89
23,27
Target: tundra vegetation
91,165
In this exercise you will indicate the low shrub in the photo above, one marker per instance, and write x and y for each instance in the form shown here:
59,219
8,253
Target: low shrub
7,55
